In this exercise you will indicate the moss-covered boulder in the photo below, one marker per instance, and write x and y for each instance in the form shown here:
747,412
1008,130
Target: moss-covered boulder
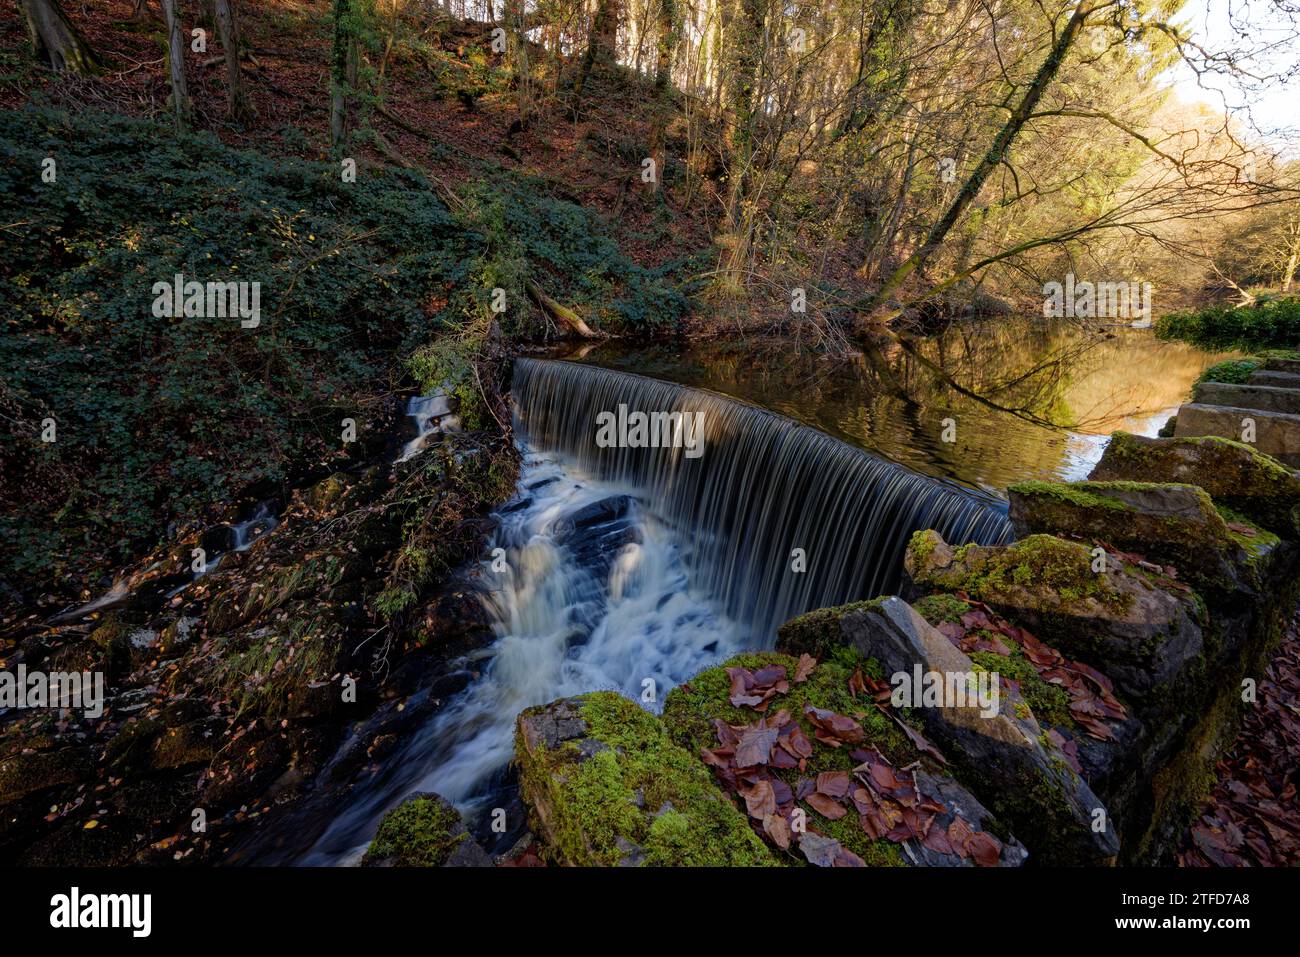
607,786
830,778
1144,636
1170,524
994,742
424,831
23,774
1234,474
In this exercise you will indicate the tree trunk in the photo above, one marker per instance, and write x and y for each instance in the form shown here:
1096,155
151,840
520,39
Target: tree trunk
181,105
237,104
602,43
56,41
995,156
667,44
343,70
140,11
744,43
516,26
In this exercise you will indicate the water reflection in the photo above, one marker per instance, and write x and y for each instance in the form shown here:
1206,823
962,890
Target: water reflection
1087,381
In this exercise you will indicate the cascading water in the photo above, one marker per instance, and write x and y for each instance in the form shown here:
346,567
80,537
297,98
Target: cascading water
633,569
431,415
594,594
761,487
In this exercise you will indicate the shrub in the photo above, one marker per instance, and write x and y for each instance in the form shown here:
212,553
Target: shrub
158,418
1270,323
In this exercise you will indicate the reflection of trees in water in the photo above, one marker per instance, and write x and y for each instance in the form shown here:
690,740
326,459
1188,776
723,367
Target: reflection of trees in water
1054,374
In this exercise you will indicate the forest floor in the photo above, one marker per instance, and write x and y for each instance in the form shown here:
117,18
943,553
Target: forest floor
451,89
445,102
1252,816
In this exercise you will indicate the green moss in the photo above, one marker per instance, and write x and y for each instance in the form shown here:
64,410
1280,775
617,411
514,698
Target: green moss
690,708
268,672
818,632
921,545
939,608
621,795
1049,703
1038,561
1077,494
418,833
1256,545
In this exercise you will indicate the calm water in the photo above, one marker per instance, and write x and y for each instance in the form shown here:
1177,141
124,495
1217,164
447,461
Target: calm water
1087,382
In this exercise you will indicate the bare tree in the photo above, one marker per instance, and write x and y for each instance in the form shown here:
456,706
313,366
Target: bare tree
665,46
237,102
602,41
181,105
56,40
343,70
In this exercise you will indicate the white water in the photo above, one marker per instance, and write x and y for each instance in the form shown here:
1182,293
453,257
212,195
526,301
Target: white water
432,415
695,571
563,627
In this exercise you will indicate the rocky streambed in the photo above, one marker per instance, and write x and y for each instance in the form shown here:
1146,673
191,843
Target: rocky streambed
1127,625
438,659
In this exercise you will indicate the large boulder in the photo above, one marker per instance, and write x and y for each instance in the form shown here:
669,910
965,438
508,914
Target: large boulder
1170,524
1276,433
424,831
826,771
1143,636
1234,474
1002,752
606,786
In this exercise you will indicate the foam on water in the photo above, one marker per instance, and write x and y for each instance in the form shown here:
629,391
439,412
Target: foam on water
696,568
563,627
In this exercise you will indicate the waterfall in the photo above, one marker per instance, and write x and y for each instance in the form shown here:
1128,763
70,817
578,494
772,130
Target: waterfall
634,569
761,487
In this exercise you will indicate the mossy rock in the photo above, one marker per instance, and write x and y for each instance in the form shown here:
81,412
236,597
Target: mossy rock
1004,756
1167,523
992,573
424,831
1050,703
23,774
1140,634
690,709
607,786
1234,474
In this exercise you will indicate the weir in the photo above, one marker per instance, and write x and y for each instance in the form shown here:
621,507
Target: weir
627,566
761,487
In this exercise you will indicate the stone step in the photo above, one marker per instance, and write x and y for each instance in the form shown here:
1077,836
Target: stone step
1280,380
1276,433
1282,365
1265,398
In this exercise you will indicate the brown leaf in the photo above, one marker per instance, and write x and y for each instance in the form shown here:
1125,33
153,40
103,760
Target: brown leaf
755,746
834,783
826,806
820,851
985,849
795,741
760,800
959,835
804,668
778,829
834,729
